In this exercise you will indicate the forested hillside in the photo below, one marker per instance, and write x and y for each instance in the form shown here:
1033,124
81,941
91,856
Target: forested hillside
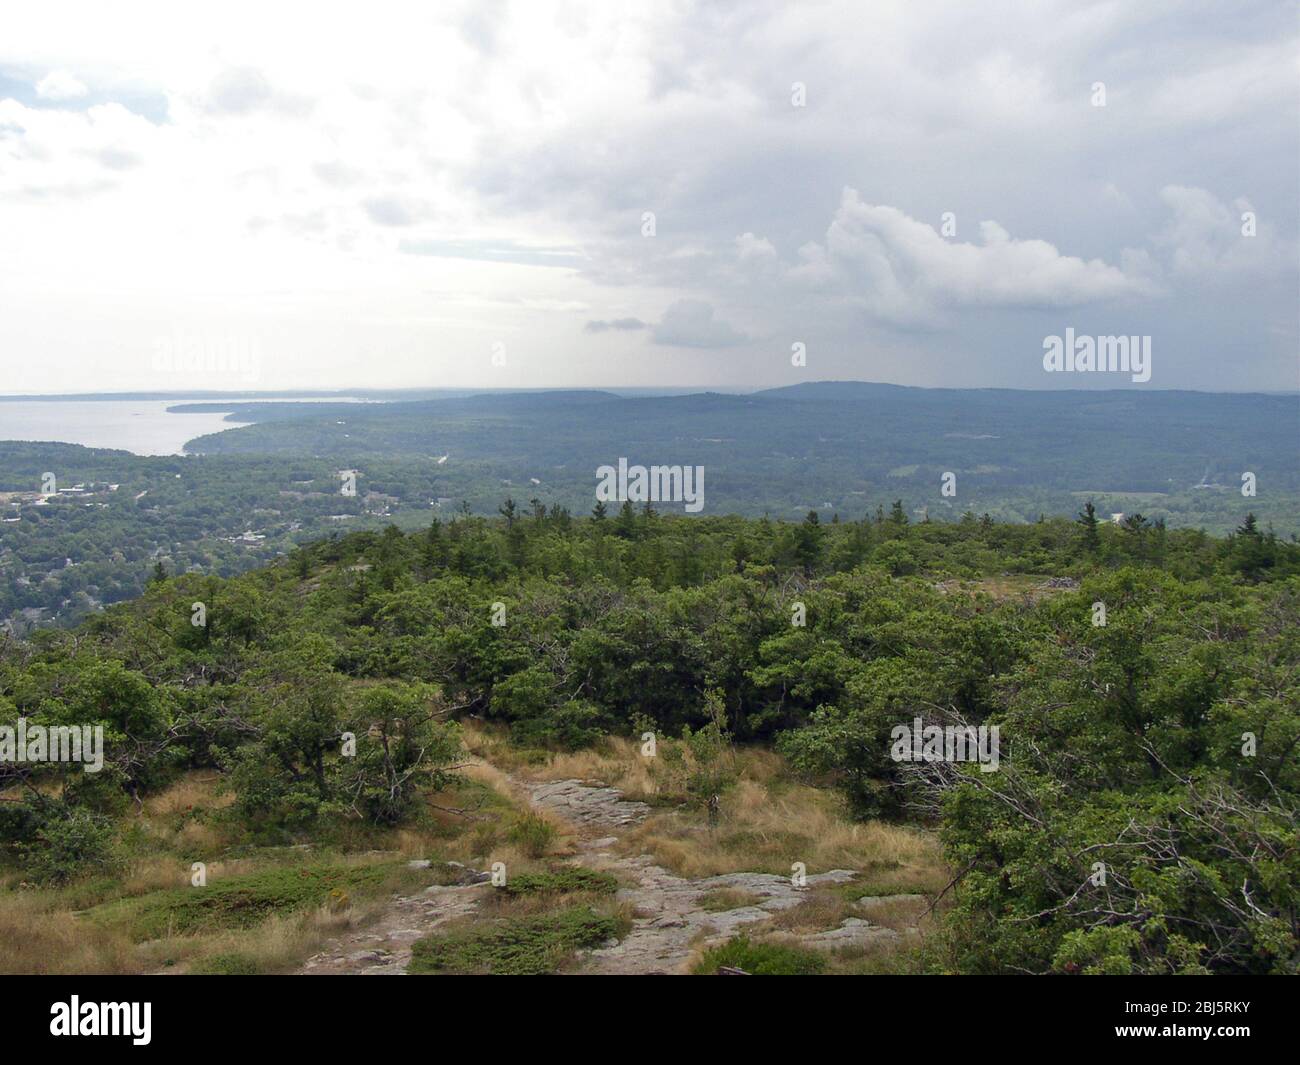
846,449
843,447
1143,817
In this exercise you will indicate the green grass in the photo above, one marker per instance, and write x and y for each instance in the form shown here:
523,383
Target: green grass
226,965
760,959
532,834
514,946
241,901
561,880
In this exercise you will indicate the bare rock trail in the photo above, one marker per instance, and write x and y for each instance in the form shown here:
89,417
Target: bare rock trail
382,947
669,919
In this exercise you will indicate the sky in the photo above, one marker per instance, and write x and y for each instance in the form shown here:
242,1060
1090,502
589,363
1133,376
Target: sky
729,195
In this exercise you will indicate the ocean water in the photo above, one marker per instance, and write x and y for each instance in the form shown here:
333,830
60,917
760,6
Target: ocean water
143,427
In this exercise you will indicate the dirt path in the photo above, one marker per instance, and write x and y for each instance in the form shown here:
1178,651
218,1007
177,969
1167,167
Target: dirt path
669,921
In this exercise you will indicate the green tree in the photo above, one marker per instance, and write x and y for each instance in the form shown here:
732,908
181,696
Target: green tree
1087,520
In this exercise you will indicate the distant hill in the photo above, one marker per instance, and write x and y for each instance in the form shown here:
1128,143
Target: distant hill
836,390
844,449
839,446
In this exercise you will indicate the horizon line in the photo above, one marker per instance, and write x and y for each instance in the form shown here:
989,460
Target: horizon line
470,390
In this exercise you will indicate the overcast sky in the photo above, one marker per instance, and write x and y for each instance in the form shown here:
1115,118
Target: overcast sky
377,195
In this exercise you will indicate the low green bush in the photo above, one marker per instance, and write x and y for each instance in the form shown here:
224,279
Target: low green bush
532,834
241,901
561,880
233,964
68,843
760,959
515,946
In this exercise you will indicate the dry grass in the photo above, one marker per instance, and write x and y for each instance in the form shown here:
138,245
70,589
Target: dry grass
821,910
279,944
43,932
767,829
720,900
156,873
827,908
493,746
616,761
489,774
767,822
898,914
41,936
193,791
42,929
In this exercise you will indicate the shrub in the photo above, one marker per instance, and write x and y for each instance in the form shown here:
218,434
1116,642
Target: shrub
242,901
292,774
233,964
521,946
532,834
760,959
68,844
561,880
484,838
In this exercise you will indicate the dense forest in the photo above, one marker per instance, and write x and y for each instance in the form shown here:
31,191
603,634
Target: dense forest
1145,681
249,495
835,446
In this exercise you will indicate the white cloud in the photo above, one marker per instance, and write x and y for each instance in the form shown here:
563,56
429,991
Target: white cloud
1206,239
902,270
49,154
60,85
238,91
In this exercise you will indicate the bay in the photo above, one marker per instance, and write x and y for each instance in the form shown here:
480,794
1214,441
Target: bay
143,427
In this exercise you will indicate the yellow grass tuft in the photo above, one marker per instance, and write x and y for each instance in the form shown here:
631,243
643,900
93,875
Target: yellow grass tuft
762,829
40,937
